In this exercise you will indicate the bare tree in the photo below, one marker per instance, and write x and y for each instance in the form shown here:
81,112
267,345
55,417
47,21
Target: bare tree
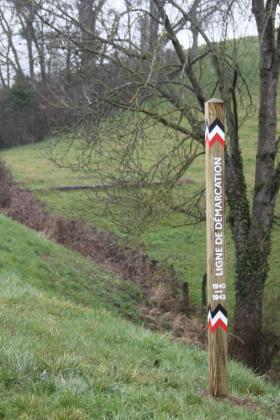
26,12
11,52
89,10
253,231
169,94
149,27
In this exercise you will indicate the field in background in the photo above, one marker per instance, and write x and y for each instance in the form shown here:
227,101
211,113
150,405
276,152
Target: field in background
168,239
182,246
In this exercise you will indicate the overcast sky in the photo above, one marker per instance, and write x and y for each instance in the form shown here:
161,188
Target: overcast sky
244,24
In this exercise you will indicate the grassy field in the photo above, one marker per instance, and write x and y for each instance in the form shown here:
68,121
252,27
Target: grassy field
67,354
182,246
168,238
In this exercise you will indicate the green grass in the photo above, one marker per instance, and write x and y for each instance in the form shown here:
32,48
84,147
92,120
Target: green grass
65,355
41,171
183,247
42,264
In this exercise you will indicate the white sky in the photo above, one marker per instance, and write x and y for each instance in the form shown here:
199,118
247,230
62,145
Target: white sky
246,25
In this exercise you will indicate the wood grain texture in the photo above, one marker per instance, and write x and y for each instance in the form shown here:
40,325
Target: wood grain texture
216,258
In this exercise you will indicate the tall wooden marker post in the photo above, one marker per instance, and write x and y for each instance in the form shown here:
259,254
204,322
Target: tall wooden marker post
216,267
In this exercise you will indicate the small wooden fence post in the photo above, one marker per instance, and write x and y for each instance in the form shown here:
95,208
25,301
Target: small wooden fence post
216,267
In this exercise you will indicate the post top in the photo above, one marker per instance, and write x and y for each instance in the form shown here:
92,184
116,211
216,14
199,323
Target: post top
214,100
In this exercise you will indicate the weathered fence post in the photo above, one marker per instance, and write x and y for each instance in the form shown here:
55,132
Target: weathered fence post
216,267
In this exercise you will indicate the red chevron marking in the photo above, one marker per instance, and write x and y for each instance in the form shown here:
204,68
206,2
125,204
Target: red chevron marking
219,323
217,138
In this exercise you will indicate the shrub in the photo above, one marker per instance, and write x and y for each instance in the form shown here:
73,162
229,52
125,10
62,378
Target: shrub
6,182
23,120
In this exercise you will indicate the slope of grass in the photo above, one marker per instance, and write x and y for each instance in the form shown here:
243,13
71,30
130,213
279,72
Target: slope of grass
60,272
63,355
183,246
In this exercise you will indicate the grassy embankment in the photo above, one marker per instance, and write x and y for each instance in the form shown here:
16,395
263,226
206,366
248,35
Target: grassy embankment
184,247
66,353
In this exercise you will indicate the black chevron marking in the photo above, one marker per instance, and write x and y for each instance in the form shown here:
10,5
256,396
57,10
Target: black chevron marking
214,124
218,308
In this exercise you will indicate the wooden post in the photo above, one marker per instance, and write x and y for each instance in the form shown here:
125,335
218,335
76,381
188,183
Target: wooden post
216,264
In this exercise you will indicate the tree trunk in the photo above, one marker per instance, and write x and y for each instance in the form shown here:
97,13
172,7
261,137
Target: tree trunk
252,258
252,269
41,55
153,26
30,52
87,20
